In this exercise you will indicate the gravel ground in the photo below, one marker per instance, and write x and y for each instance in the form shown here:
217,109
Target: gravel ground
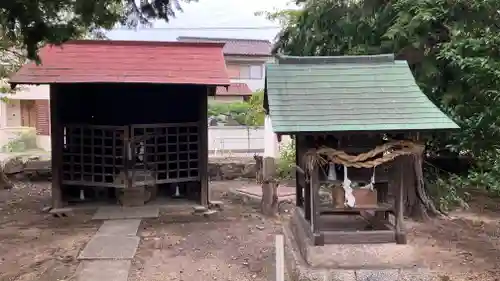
237,244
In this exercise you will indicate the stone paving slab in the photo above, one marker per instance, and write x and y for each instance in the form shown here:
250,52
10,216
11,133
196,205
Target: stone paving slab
110,247
103,270
119,228
117,213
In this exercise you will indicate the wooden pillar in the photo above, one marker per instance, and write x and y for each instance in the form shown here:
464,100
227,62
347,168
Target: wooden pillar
57,145
203,146
300,182
269,203
315,209
400,231
307,200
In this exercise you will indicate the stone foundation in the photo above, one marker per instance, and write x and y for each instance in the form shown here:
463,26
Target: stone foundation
231,168
251,193
39,168
349,262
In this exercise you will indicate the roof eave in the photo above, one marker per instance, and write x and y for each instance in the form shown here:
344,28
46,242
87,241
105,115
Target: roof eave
248,55
364,131
14,83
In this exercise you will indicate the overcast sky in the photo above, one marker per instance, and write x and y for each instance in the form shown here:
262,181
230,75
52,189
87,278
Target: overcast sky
199,16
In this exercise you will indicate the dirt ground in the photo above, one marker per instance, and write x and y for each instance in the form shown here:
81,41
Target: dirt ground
35,245
237,244
465,246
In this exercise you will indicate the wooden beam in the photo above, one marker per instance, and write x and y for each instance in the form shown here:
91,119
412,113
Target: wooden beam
203,146
57,146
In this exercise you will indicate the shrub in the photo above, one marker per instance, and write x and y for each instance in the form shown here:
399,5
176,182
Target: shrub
286,162
24,140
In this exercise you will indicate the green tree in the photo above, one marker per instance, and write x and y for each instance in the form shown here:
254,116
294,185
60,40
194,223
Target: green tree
451,47
25,25
29,24
248,113
255,114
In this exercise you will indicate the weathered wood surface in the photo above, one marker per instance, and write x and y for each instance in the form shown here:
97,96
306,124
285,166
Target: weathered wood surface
269,203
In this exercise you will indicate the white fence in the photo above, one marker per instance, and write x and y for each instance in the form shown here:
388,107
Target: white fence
237,140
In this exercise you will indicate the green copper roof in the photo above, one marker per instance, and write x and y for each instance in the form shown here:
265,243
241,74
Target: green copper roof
348,93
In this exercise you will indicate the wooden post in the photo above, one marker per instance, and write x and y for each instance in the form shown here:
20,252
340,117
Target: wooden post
203,147
307,200
269,202
299,177
400,231
315,209
57,146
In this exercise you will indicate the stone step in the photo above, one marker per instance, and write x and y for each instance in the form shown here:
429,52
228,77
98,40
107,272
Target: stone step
199,209
61,212
219,205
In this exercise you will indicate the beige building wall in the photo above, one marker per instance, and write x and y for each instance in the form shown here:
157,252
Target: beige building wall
13,113
11,119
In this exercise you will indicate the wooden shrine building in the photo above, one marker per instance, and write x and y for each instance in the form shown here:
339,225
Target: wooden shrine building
128,118
352,118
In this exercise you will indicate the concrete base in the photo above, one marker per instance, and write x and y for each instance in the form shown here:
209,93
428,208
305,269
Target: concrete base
387,255
344,267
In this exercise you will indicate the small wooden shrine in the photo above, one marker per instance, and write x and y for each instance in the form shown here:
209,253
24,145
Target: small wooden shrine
353,119
128,118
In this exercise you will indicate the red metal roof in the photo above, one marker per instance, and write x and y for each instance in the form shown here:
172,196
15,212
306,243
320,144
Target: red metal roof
103,61
233,46
235,89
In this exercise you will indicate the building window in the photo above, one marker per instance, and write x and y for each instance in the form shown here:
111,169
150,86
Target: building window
245,71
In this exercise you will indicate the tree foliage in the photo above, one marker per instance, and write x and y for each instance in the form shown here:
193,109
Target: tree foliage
247,113
255,114
451,46
30,23
25,25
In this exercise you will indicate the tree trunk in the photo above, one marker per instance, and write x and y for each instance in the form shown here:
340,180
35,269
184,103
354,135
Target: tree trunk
418,205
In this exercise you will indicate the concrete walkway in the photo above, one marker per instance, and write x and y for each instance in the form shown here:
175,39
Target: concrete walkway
108,255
